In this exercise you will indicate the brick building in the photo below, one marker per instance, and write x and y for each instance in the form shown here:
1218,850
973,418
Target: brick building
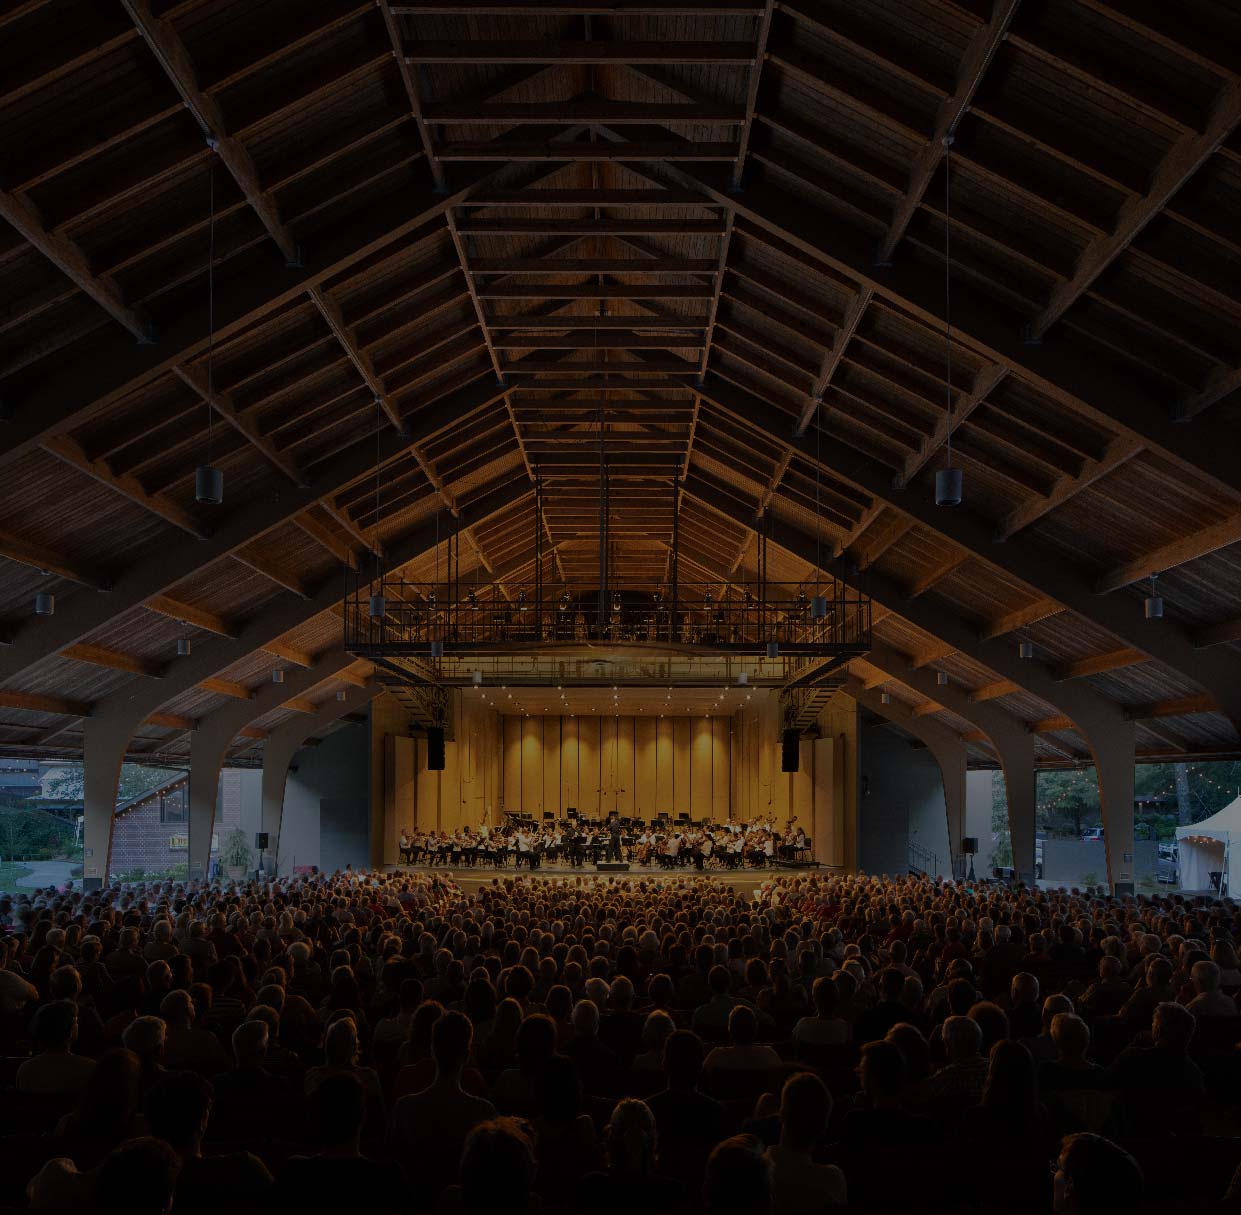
151,832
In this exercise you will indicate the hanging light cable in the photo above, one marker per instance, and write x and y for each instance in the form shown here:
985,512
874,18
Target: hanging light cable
209,480
378,604
948,480
818,605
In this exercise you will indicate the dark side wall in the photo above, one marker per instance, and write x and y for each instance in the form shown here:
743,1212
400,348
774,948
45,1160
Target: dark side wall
901,800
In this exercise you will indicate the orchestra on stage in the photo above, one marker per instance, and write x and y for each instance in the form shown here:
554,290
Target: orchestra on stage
578,842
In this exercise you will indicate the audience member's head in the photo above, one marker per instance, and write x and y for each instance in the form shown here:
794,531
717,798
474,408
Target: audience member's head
497,1168
1095,1177
738,1178
138,1178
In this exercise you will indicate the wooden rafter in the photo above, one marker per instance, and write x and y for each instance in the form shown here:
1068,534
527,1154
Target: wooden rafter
166,44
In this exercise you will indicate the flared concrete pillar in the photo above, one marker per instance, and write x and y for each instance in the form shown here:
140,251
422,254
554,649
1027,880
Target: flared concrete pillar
948,750
1114,765
283,744
104,743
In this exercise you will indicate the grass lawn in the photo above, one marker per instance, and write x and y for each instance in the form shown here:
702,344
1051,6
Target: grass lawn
10,872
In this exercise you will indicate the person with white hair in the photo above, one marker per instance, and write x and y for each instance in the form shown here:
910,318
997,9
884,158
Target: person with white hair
958,1085
1209,1001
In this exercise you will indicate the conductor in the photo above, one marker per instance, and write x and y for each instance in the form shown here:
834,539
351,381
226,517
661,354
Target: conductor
614,839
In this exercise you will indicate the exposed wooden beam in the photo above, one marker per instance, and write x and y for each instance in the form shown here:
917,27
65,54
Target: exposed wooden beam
541,200
985,383
560,150
299,704
1118,451
897,530
274,570
1168,556
502,226
928,708
586,52
932,579
287,653
170,721
252,732
1010,622
186,613
935,653
243,423
833,356
1186,156
66,255
594,291
1051,725
979,51
592,265
992,691
45,560
562,113
1179,706
226,687
326,538
168,48
65,447
33,702
1100,664
114,660
579,8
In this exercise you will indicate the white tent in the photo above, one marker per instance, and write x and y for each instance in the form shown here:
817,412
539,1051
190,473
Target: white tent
1203,848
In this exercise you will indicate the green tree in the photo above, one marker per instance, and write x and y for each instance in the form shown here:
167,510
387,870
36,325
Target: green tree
68,783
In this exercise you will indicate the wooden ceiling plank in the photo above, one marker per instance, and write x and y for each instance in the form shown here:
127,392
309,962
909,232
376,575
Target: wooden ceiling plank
171,53
1101,664
531,150
243,423
114,660
34,702
226,687
1186,156
1010,622
327,539
993,691
45,560
67,256
571,53
979,52
287,653
1178,706
932,579
1168,556
70,451
985,383
186,613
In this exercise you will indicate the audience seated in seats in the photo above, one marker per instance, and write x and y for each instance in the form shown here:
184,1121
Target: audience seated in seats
186,1046
244,1004
688,1122
566,1146
657,1028
138,1178
1156,988
880,1114
597,1066
497,1172
1164,1065
339,1175
632,1182
514,1089
825,1028
55,1070
742,1053
738,1178
1210,1001
431,1126
1095,1177
177,1109
1108,993
798,1184
960,1082
1025,1014
1010,1114
1041,1046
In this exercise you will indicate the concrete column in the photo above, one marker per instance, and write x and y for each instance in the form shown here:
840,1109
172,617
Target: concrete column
216,731
284,742
1114,760
104,744
949,752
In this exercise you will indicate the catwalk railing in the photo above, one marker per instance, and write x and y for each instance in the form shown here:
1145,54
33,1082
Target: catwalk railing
398,618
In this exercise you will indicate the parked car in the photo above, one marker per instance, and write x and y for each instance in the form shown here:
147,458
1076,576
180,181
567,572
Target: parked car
1092,833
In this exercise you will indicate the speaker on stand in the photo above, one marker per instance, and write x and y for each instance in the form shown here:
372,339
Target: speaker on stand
969,846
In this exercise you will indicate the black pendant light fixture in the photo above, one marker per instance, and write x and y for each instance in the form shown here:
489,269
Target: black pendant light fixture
1154,602
45,604
209,480
949,486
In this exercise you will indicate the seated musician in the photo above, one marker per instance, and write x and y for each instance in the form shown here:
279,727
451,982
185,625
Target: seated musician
404,848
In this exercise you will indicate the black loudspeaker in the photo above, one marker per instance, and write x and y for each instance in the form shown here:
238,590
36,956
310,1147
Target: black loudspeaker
435,748
790,751
969,845
260,840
